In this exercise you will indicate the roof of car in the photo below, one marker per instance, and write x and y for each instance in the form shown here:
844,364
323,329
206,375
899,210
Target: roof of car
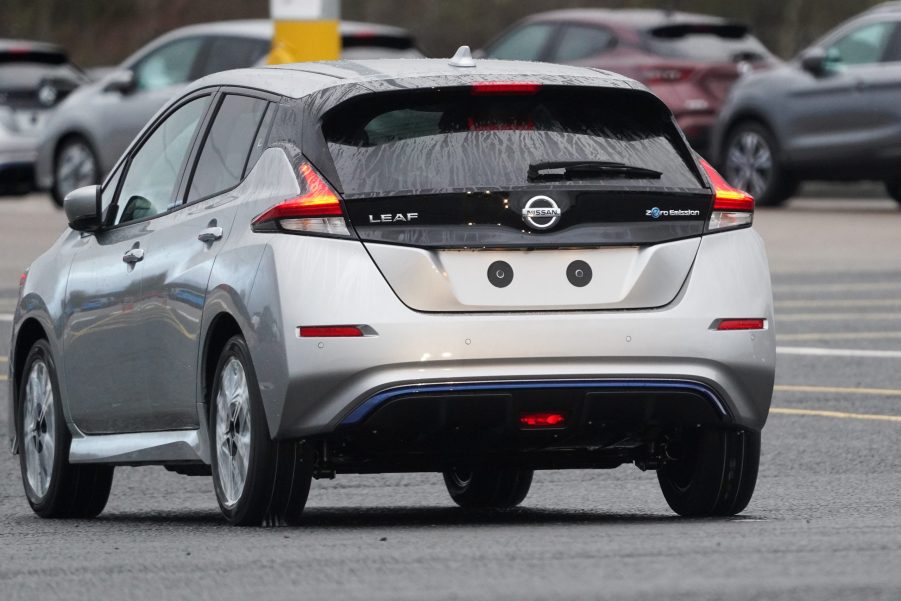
262,28
636,18
296,80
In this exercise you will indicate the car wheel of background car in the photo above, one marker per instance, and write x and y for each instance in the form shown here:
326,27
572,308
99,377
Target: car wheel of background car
751,163
54,487
715,475
256,479
75,166
893,187
488,489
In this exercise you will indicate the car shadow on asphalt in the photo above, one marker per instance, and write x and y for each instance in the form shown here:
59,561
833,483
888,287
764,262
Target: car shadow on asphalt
327,518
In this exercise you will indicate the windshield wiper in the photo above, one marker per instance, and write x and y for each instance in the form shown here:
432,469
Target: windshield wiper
593,169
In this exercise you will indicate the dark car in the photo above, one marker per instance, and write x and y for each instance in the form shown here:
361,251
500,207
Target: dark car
690,61
834,113
34,77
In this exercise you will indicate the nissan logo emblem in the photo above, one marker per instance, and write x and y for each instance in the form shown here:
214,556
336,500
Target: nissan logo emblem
541,213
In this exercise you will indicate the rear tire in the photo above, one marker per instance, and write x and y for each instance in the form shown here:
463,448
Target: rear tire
74,166
752,162
256,478
54,487
893,188
488,489
716,476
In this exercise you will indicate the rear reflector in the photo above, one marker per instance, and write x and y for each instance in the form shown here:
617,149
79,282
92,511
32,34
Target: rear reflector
652,75
317,210
541,420
329,331
505,87
741,324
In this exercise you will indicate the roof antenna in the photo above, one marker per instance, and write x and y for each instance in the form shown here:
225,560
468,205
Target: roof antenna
463,58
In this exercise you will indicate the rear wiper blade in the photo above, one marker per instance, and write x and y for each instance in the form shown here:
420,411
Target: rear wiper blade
599,169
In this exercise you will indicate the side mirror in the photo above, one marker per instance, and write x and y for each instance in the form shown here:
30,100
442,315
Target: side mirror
814,61
82,208
120,81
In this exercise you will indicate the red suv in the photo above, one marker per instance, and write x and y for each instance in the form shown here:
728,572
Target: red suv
690,61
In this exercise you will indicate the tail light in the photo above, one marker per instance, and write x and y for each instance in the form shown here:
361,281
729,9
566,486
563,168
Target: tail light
317,210
732,208
652,75
22,279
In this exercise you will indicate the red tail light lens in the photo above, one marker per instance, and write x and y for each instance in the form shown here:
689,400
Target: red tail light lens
732,208
329,332
652,75
740,324
505,87
542,420
317,210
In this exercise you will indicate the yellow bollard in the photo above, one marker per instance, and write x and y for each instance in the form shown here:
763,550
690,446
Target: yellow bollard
305,30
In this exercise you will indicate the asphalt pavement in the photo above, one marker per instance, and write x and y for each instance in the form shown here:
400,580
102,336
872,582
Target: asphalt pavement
825,522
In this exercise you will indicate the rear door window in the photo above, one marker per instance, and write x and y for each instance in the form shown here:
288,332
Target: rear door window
524,44
227,146
224,53
579,42
451,139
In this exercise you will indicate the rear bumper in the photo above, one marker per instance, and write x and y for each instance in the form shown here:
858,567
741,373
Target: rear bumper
312,385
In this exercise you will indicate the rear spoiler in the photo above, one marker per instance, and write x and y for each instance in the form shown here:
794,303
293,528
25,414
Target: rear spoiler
680,30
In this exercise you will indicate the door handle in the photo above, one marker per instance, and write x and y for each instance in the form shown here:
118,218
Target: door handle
210,234
133,256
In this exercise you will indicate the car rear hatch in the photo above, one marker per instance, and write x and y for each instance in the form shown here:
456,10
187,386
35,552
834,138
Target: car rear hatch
514,196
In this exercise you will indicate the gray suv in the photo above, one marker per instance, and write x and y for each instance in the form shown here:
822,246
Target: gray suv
834,113
87,134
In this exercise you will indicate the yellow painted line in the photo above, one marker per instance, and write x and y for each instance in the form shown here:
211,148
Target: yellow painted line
840,302
838,287
839,336
837,316
837,414
2,378
837,390
4,359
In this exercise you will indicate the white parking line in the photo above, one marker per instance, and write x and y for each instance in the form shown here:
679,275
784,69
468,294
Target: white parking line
840,302
836,352
838,316
838,287
6,316
839,336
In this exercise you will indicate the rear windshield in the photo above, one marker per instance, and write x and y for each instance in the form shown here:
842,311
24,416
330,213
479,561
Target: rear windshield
453,139
707,43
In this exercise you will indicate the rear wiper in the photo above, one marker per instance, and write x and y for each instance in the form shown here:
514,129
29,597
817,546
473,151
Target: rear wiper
598,169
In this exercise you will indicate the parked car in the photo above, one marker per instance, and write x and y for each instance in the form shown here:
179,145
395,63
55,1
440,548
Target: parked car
90,131
474,268
689,60
831,114
34,77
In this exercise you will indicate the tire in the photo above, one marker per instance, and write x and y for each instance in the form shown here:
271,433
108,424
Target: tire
716,475
277,475
752,162
893,188
488,489
54,487
75,165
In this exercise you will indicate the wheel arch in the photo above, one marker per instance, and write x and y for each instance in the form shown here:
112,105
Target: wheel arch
222,327
740,118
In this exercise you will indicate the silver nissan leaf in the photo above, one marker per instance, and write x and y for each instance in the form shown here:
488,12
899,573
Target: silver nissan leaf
476,268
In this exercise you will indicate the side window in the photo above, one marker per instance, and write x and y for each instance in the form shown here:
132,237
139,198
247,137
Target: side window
232,53
169,65
227,146
152,175
524,44
578,42
862,46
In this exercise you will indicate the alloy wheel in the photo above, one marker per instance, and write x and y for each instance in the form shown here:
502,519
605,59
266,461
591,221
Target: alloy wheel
39,428
749,163
233,430
75,168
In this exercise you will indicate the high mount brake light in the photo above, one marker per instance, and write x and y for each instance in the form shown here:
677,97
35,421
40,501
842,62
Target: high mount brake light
732,208
542,420
505,87
317,210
